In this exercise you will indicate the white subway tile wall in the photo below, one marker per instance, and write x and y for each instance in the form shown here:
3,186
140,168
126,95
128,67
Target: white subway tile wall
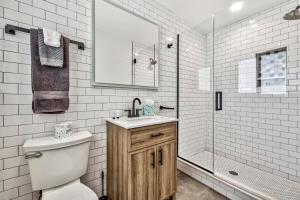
260,130
89,106
257,129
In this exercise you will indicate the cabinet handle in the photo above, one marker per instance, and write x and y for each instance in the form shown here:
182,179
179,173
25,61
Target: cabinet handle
153,159
161,157
157,135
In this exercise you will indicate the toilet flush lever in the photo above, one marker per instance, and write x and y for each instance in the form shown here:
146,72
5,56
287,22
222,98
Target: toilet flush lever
37,154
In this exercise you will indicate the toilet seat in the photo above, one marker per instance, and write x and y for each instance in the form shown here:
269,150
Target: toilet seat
74,190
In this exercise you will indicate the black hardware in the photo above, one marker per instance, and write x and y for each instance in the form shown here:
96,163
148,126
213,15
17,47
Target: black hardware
40,194
103,197
219,101
157,135
166,108
161,157
129,112
134,61
11,29
134,112
177,106
153,159
138,112
37,154
170,45
234,173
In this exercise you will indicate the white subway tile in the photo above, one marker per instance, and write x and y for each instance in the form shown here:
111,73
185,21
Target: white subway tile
17,120
8,109
56,18
8,152
17,16
11,4
44,5
30,10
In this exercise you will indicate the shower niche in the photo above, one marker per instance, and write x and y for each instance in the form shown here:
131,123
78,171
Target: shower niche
271,71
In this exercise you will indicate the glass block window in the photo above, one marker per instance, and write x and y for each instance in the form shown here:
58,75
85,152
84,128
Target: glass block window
271,71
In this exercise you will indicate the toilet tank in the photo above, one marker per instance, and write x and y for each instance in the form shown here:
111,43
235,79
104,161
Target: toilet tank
54,162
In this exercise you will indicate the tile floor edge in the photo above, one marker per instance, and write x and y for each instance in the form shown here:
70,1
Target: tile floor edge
215,178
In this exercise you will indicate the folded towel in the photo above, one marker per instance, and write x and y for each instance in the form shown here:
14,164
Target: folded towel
50,56
50,85
51,37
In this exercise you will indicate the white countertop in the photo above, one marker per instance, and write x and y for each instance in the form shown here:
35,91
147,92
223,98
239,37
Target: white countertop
129,123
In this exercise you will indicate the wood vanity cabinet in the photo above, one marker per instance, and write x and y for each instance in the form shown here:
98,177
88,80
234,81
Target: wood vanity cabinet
141,162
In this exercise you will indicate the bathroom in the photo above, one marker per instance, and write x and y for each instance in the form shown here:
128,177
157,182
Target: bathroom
217,81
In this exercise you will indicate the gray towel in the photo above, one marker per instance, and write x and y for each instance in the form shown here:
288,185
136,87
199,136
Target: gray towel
50,85
50,56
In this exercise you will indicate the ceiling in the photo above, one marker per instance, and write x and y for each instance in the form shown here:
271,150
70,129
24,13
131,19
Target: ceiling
197,12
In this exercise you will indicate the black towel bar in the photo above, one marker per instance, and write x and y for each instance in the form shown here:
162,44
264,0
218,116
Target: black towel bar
11,29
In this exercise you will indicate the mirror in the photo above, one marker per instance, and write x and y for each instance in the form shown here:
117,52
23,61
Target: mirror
125,48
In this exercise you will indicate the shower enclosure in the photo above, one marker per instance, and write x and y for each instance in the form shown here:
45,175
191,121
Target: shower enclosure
239,99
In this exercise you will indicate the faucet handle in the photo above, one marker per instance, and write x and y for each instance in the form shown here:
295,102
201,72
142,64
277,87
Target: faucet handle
129,112
138,112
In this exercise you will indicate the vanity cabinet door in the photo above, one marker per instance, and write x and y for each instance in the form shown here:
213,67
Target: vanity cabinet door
142,174
166,166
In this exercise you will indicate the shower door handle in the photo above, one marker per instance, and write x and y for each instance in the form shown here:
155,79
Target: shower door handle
219,101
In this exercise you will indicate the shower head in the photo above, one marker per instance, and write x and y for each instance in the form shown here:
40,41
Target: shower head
152,61
293,15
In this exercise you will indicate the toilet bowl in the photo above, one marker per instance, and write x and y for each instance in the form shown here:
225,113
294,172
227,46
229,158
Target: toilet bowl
74,190
57,164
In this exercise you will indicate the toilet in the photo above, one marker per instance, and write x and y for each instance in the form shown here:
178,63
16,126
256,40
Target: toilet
56,166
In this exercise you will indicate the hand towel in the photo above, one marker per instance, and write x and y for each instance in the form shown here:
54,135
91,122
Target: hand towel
50,85
51,37
50,56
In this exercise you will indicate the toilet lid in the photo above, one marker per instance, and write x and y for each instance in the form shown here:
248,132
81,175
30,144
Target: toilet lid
74,190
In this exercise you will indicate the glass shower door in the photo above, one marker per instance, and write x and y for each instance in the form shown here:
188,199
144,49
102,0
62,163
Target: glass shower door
256,117
195,135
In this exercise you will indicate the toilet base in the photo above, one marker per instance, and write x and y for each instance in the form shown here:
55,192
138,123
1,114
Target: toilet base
74,190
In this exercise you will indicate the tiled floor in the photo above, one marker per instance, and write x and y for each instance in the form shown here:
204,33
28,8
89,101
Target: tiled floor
249,178
190,189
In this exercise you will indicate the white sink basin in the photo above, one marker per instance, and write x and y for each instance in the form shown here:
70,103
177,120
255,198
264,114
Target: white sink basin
129,123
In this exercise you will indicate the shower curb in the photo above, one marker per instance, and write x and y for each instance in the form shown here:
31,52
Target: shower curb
223,187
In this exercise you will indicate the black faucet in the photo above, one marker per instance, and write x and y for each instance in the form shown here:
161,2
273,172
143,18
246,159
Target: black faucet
134,112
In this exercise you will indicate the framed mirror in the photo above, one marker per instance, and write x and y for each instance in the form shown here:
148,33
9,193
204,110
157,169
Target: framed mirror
125,48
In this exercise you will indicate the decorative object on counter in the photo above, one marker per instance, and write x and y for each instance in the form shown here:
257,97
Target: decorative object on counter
116,115
50,85
149,108
63,130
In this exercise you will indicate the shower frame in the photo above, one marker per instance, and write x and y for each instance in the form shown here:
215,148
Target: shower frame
178,109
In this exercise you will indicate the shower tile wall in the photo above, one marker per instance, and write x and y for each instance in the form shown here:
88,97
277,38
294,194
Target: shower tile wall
192,126
89,106
260,130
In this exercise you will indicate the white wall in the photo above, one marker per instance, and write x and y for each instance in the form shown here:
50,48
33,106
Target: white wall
260,130
88,106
